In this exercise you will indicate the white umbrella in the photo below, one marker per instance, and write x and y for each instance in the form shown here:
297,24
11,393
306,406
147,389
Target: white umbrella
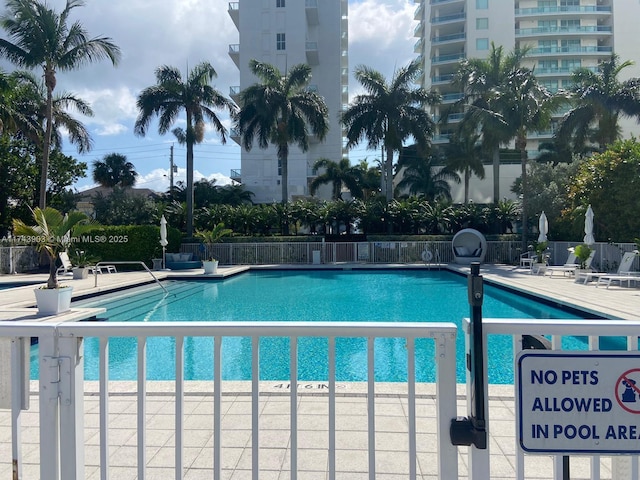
588,227
543,228
163,237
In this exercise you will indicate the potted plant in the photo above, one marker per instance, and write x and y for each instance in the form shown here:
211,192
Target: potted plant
582,252
81,261
51,234
209,237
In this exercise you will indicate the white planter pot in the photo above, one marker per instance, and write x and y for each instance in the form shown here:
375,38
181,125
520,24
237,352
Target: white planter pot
51,301
210,266
80,272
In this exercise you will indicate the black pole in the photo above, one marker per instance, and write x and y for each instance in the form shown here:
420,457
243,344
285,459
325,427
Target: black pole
472,430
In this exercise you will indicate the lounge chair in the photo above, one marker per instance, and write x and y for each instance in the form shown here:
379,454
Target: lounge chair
623,269
66,266
624,273
570,266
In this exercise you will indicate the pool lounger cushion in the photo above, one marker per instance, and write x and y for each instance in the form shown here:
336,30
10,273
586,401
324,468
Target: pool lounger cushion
181,261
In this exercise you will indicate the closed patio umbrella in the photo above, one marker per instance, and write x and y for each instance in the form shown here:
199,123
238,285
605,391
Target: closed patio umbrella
543,228
588,227
163,237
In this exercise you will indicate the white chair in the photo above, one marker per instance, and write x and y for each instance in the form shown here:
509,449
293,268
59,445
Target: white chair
570,266
624,273
527,259
66,266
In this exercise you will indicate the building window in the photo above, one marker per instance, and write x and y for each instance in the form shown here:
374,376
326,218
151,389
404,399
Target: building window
482,23
280,3
482,4
569,3
547,46
482,44
570,24
281,42
571,64
547,3
279,169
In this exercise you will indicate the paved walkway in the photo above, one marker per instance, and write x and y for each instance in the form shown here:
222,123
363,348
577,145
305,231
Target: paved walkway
391,406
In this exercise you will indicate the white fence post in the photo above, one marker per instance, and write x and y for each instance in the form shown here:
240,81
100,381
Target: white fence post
49,435
71,394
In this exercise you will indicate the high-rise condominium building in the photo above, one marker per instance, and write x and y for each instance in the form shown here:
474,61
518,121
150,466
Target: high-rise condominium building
561,34
286,33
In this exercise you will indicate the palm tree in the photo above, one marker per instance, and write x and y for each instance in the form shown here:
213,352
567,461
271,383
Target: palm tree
169,97
523,105
478,78
464,154
42,37
389,113
337,174
424,178
600,101
281,111
114,171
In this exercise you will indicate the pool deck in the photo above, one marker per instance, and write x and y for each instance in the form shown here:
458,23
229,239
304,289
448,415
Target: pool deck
391,404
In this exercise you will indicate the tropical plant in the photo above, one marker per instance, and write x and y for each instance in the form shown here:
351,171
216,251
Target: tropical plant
478,78
582,253
464,154
194,95
522,104
51,234
41,37
114,171
215,235
389,114
423,176
608,181
337,174
82,258
281,111
600,99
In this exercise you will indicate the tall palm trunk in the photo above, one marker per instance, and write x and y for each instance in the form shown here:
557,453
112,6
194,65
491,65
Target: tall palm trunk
521,145
190,142
496,173
50,82
467,176
388,168
284,169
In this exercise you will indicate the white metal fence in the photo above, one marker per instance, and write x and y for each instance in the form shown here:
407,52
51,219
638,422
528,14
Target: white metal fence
607,256
61,389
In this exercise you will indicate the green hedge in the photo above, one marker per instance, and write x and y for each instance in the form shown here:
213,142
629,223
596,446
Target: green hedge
125,243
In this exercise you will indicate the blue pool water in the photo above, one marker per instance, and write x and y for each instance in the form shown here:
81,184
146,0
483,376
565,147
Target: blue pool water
380,295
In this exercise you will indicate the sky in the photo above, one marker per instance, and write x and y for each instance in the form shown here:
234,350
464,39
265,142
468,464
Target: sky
151,33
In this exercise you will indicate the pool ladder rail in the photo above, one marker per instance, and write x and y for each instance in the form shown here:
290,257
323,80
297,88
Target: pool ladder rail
96,269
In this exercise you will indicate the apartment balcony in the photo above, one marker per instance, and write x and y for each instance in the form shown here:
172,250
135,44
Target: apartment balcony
454,37
453,18
236,176
418,46
547,51
560,71
446,2
234,53
311,10
451,97
235,135
442,59
311,49
562,10
418,14
442,79
419,30
441,138
555,31
234,13
234,92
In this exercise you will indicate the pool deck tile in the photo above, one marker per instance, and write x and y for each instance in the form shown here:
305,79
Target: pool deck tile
351,437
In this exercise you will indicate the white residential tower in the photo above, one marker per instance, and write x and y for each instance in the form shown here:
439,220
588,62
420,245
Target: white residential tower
285,33
562,35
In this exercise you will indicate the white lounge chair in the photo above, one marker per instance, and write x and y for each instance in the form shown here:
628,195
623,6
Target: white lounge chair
66,266
570,266
527,259
624,273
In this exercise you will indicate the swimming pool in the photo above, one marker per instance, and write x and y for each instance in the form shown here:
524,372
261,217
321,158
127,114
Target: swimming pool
330,295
